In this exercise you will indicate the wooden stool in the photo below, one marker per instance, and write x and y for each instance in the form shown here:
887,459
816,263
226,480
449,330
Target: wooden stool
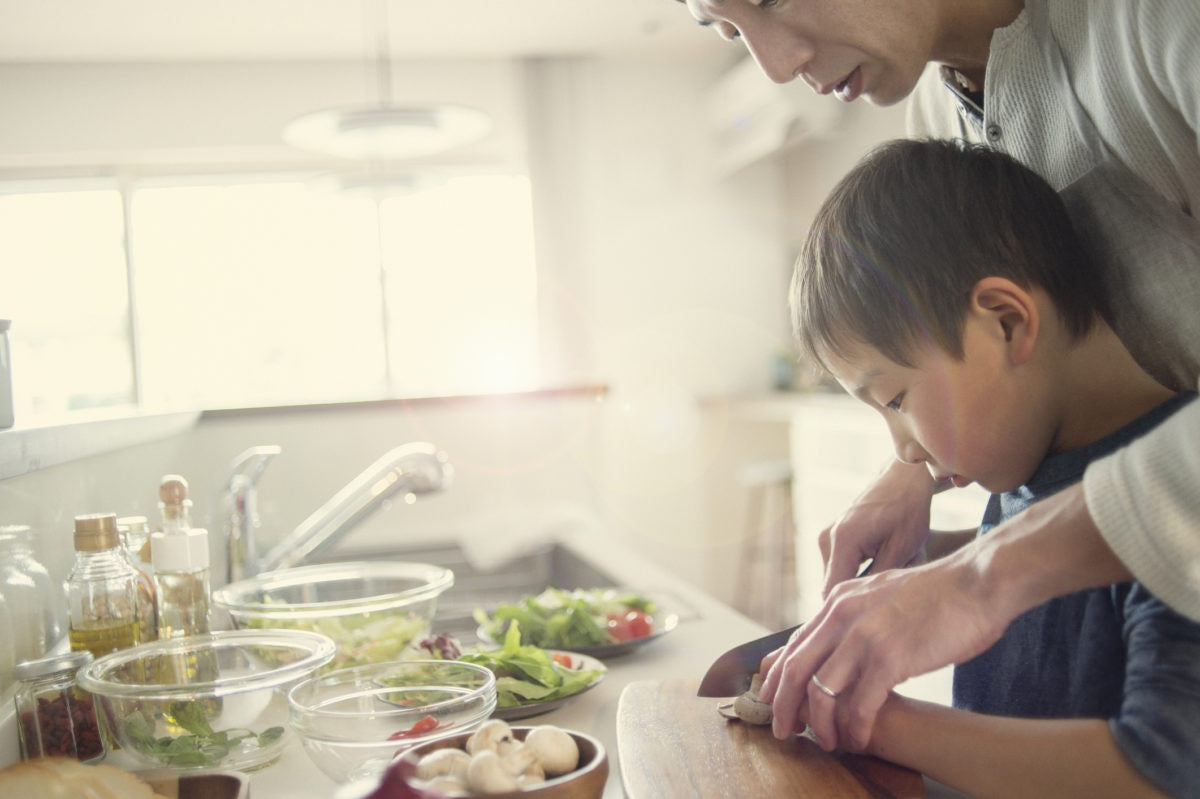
766,588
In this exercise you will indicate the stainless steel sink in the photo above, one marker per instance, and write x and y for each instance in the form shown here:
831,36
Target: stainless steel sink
526,573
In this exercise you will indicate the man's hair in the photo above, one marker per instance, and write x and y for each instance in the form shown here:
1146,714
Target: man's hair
897,247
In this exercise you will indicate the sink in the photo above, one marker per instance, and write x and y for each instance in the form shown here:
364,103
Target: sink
528,572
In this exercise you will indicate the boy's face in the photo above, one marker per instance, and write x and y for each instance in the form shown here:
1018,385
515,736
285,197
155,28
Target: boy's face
969,420
854,48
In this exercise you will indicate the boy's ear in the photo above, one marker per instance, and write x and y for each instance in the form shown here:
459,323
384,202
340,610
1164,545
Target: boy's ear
1012,311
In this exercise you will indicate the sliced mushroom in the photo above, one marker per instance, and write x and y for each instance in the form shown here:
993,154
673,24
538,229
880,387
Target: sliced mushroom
749,709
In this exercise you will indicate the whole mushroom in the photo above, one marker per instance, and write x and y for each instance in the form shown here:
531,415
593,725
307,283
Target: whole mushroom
490,735
487,774
554,748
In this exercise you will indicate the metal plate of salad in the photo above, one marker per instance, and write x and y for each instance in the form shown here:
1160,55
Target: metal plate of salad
597,622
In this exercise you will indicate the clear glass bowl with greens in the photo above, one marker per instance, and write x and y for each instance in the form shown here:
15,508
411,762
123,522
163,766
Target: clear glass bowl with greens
216,701
353,722
375,611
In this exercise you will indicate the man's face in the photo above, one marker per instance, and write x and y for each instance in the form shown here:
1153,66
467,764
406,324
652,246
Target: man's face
875,49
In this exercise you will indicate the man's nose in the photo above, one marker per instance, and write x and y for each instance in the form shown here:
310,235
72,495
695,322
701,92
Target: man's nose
780,55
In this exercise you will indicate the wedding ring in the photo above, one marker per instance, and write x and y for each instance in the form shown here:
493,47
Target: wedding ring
823,688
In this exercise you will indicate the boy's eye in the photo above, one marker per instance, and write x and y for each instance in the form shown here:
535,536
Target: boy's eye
894,403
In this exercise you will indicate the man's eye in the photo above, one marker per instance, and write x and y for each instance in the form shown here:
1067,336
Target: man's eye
894,404
723,29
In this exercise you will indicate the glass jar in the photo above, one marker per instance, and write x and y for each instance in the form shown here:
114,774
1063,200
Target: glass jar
135,544
55,716
102,589
34,605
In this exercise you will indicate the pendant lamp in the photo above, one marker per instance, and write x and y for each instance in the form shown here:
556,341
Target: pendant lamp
385,131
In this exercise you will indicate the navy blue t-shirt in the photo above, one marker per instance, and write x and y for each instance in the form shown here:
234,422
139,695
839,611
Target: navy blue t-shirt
1115,653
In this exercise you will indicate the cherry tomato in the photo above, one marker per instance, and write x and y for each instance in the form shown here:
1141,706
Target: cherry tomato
630,625
422,726
564,660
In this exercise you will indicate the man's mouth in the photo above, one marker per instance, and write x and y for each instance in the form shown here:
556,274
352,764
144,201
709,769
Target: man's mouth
850,86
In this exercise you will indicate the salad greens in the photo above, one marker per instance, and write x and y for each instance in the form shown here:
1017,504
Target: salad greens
360,639
526,673
560,619
202,747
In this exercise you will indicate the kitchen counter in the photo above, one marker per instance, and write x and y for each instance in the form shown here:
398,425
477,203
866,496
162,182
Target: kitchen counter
706,629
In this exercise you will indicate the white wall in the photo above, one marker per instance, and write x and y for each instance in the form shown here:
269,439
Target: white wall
660,279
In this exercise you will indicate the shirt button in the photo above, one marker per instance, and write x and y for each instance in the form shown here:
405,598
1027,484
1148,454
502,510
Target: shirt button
994,132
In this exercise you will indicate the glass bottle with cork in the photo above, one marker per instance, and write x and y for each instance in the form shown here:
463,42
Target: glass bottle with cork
180,559
181,577
101,589
173,504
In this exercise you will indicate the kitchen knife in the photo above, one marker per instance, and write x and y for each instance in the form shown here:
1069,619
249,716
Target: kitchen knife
730,674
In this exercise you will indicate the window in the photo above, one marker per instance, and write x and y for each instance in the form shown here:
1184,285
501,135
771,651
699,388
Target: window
265,290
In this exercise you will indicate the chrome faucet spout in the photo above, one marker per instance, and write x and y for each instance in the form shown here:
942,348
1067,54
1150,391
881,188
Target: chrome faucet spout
415,468
243,522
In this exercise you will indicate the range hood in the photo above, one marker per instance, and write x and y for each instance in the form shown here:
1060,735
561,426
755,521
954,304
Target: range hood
752,118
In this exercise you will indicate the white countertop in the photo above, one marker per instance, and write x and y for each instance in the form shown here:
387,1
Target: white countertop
706,629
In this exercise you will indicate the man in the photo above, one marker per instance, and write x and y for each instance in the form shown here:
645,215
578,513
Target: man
1100,98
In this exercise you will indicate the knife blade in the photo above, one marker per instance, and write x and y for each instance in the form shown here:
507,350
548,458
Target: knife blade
730,674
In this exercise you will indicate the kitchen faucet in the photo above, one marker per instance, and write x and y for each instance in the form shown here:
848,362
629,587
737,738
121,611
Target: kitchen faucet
414,468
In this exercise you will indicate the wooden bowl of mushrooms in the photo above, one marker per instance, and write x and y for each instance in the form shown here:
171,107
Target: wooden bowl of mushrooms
496,760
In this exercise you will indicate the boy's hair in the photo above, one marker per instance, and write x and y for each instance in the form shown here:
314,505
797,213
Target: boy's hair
898,245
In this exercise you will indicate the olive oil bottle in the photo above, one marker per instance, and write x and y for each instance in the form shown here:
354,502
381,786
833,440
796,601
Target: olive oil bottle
102,589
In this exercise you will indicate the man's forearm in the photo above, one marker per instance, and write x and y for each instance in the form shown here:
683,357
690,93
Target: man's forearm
1051,549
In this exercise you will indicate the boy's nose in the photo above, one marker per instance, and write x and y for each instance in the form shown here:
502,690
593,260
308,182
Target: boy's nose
909,451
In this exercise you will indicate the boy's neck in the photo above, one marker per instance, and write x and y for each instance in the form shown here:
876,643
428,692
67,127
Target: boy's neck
1104,389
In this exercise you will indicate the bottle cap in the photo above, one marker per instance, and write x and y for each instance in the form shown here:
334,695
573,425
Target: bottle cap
179,552
96,531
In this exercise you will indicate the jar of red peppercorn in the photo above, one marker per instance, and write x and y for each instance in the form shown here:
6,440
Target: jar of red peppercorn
57,717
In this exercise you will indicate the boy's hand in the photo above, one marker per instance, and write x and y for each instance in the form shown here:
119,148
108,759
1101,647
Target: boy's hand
888,522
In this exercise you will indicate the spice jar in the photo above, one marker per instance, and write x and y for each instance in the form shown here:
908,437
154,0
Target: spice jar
56,717
102,589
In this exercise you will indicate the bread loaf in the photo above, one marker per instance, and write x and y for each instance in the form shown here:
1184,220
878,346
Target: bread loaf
66,778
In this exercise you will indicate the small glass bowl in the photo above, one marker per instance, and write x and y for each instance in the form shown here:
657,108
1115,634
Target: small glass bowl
354,722
375,611
205,701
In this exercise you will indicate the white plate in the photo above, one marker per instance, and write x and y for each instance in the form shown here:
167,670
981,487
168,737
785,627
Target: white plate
664,622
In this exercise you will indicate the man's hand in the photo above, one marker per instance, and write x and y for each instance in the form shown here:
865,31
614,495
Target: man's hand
888,522
875,632
872,634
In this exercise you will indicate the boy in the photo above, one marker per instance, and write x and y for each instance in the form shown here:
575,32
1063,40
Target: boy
943,285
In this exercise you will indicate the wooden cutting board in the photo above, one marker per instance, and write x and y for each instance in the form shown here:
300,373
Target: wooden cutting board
672,743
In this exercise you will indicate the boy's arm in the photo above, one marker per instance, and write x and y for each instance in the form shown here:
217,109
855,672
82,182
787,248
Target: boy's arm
989,756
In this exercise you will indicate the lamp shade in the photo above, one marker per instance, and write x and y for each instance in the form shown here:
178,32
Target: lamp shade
387,132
